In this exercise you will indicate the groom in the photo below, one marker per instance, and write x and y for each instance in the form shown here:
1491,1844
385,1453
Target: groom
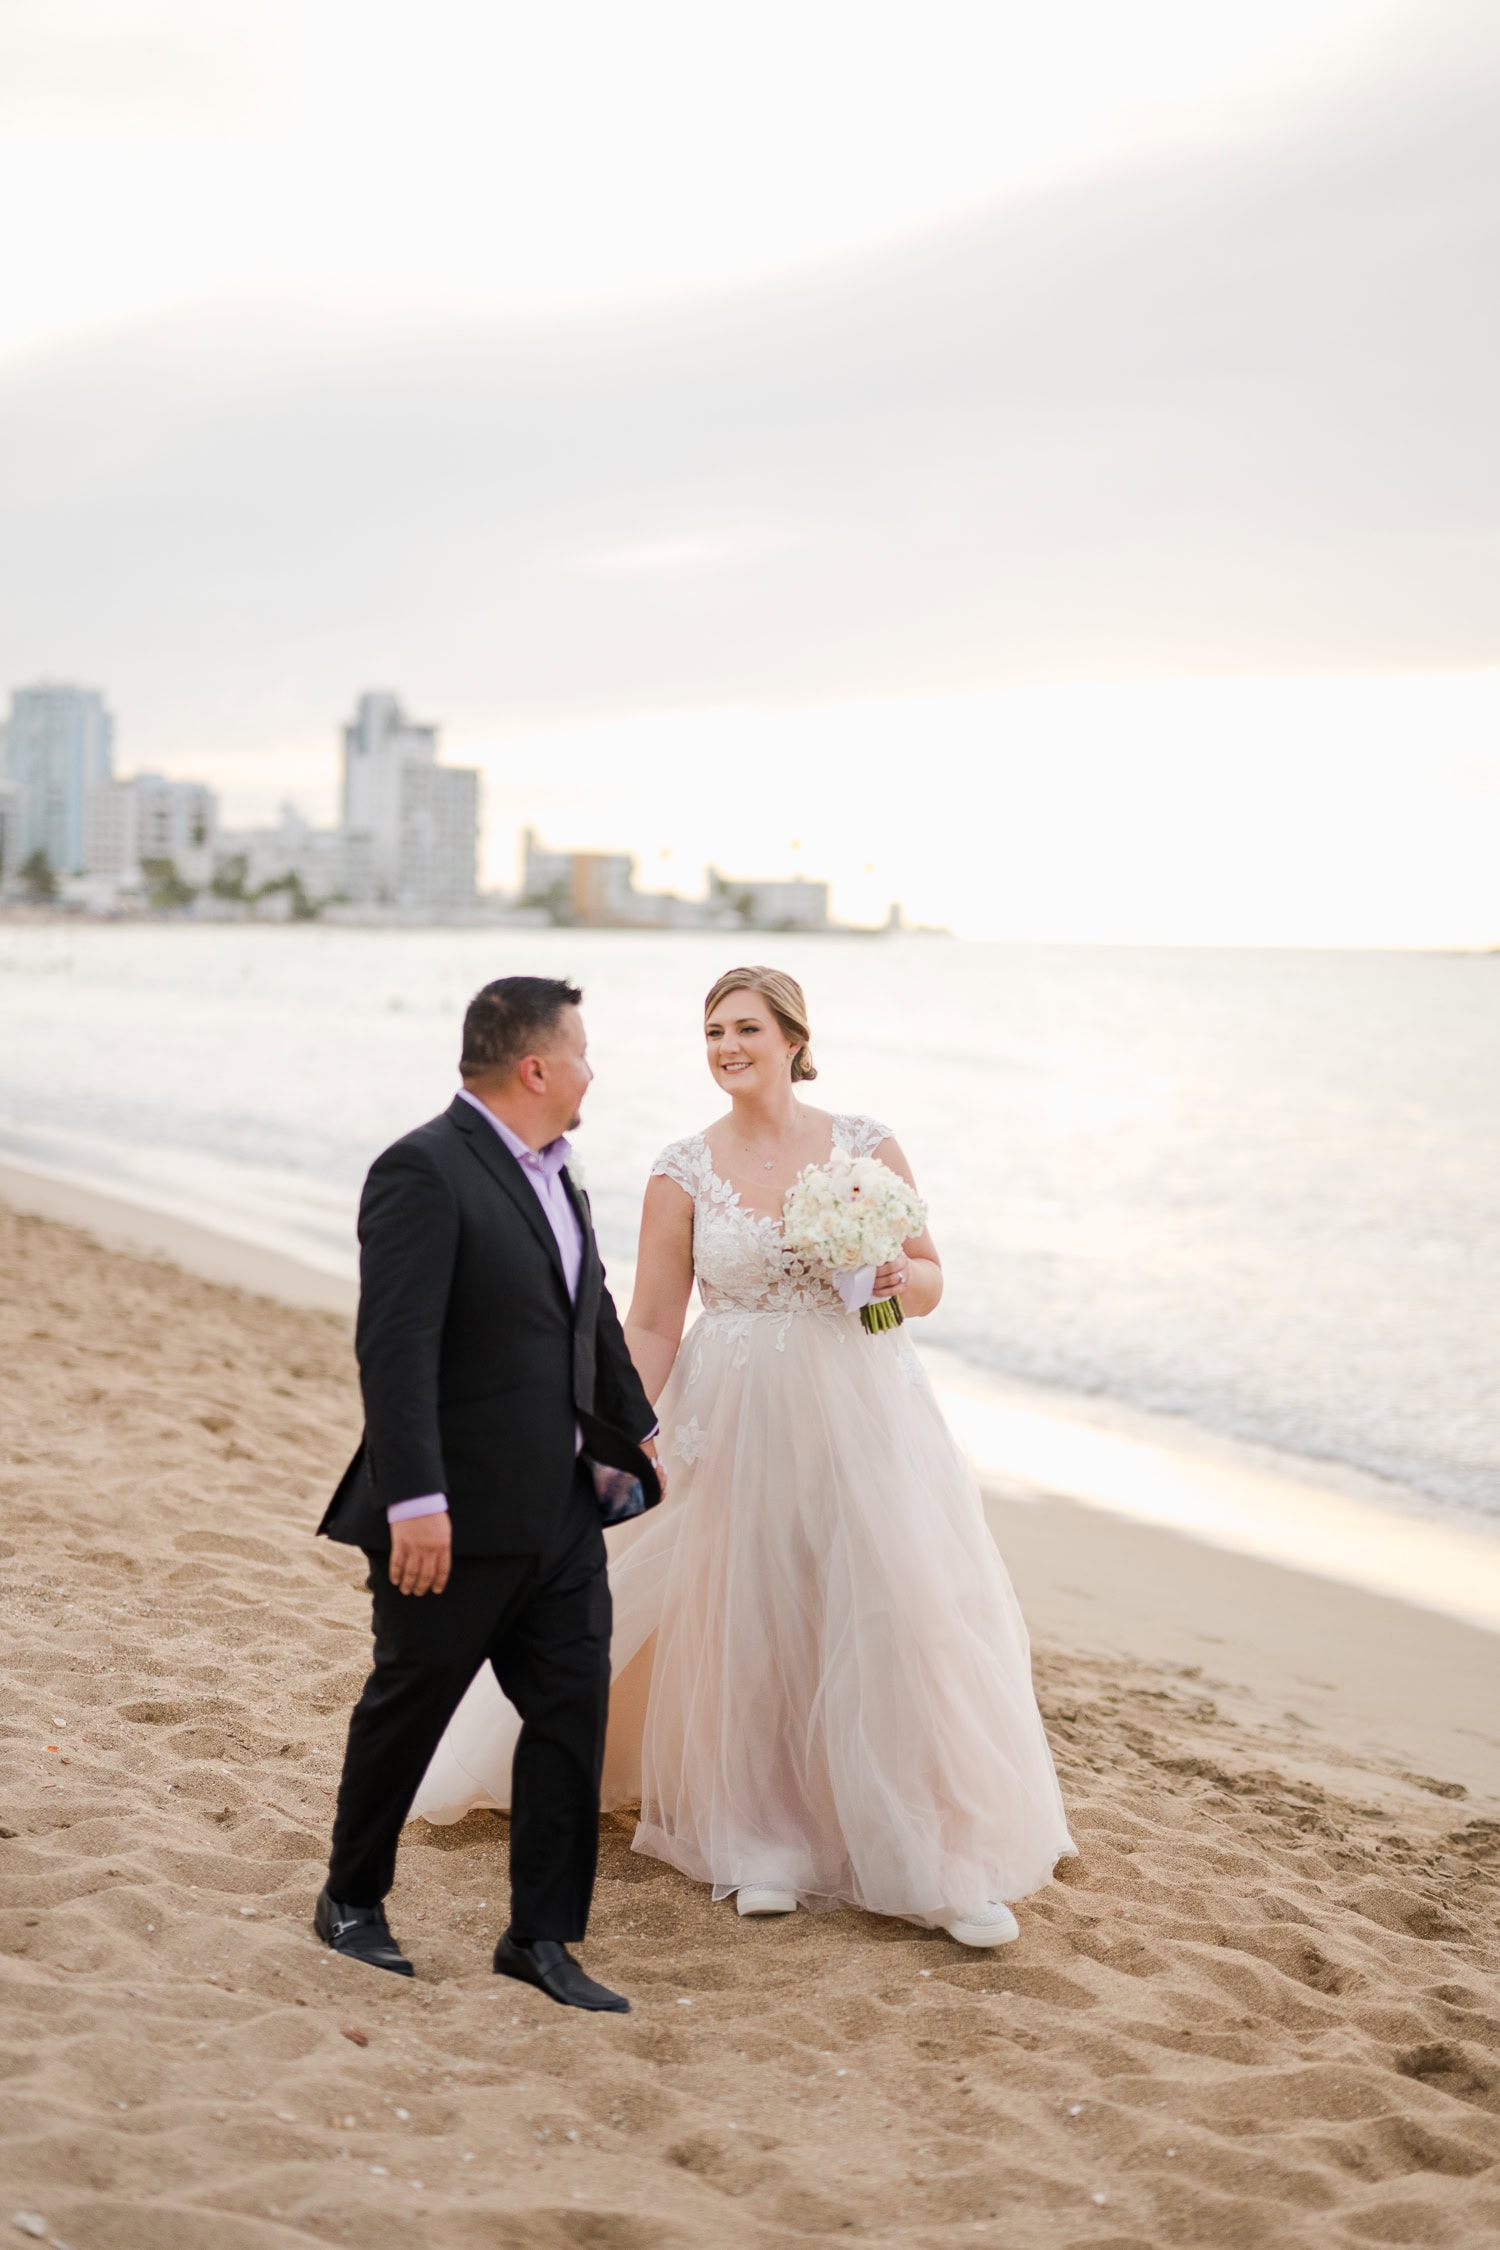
494,1372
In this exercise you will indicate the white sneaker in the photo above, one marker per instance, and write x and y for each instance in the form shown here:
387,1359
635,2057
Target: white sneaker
760,1898
990,1924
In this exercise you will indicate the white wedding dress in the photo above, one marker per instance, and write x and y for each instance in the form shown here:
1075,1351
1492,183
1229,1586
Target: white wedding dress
822,1680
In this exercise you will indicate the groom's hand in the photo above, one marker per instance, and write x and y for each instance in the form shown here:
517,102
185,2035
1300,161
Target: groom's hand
421,1554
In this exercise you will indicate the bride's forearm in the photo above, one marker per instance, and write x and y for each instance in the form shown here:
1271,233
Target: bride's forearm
652,1354
923,1288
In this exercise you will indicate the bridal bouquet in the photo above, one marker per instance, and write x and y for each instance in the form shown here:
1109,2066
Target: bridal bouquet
853,1211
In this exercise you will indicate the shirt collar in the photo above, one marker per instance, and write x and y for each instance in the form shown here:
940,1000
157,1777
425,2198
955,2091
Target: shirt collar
549,1161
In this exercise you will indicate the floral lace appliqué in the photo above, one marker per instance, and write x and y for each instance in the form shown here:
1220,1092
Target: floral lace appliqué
690,1440
744,1270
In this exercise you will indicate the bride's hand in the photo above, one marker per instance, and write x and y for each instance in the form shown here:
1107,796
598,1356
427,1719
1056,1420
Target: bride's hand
890,1279
648,1447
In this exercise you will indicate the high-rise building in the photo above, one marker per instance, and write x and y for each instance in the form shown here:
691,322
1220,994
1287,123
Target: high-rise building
379,744
421,819
61,744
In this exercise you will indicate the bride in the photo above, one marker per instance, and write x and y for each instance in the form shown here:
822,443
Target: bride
822,1685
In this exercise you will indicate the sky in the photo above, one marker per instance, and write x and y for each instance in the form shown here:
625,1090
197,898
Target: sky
1039,465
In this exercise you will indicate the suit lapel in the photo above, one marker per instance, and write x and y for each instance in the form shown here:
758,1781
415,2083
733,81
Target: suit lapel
588,1265
502,1166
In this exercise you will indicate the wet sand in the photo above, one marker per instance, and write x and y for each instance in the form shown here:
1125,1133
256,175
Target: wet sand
1263,2008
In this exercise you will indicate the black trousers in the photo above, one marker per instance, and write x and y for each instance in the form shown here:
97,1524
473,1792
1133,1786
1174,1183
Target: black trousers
543,1622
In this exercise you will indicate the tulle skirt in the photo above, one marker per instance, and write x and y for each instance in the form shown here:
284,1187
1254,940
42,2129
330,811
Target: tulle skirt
822,1678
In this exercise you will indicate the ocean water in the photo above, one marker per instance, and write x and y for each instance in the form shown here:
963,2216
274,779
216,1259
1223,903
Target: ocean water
1256,1191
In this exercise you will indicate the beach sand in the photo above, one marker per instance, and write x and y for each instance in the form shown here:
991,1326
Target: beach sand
1263,2007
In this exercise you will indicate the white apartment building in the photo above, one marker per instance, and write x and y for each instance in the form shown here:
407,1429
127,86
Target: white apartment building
421,819
149,817
439,837
329,863
109,832
177,820
60,744
796,904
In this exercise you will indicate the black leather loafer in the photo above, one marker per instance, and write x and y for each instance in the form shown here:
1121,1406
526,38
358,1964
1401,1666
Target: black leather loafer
552,1969
361,1933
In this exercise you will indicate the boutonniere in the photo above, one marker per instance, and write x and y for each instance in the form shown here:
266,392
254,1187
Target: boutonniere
576,1174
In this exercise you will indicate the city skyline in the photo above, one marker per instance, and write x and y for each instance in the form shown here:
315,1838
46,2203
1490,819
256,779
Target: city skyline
77,835
1340,751
73,829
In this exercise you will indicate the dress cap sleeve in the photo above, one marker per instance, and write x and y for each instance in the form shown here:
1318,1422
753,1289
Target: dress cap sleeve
681,1162
861,1136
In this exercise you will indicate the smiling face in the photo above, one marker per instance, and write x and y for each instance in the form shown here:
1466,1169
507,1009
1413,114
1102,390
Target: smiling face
748,1052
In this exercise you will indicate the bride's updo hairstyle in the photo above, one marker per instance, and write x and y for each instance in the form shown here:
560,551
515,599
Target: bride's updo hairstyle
785,998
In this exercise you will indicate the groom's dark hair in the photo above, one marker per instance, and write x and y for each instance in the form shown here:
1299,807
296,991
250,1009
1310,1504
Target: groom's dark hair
513,1017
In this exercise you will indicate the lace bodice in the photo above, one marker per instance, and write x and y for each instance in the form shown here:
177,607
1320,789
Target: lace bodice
739,1258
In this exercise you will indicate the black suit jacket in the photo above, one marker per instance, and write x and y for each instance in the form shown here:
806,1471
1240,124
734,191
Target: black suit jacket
476,1368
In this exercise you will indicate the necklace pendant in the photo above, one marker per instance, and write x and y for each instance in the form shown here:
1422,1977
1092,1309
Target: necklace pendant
771,1164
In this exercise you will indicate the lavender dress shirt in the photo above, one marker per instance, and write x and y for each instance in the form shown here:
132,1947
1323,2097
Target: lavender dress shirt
543,1168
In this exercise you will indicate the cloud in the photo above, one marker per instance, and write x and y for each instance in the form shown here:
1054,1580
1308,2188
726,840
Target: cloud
1231,413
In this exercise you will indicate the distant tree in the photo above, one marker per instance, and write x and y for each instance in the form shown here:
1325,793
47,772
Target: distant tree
37,878
165,888
230,877
556,900
304,909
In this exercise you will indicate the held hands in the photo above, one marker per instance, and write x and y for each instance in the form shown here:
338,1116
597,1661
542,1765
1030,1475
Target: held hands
648,1447
422,1546
421,1554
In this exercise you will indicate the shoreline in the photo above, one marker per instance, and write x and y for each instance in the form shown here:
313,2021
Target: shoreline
1326,1520
1359,1665
145,1230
